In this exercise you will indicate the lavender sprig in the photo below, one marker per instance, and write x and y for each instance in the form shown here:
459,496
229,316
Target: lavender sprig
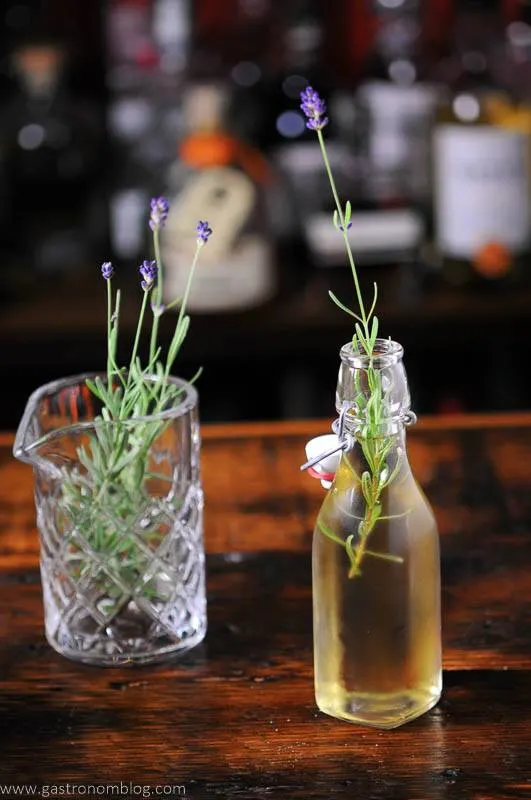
314,108
159,213
116,457
107,270
204,232
374,442
122,401
149,271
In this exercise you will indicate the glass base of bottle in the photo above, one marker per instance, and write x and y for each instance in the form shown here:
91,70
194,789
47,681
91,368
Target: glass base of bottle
378,710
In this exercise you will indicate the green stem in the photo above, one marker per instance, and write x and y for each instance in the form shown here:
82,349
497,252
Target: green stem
368,525
138,330
344,231
109,315
182,309
189,284
158,297
135,347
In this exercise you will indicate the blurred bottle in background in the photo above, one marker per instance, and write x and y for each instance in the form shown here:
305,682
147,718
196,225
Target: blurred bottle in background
243,54
481,156
396,100
295,61
220,178
300,62
52,153
148,44
516,64
380,137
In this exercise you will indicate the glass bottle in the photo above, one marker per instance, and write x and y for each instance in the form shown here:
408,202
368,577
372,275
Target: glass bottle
52,149
481,197
376,565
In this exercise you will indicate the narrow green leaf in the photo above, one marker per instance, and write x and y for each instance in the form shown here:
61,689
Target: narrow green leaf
329,533
374,332
361,337
343,307
194,378
93,388
385,556
348,212
350,549
366,487
369,315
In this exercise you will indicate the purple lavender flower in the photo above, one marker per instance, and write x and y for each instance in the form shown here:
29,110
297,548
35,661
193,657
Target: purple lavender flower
204,231
107,270
148,270
159,213
314,108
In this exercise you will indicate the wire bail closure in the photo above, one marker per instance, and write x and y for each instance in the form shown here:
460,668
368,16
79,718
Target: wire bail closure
346,441
409,418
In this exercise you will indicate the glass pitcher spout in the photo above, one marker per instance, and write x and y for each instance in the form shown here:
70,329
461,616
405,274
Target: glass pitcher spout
54,414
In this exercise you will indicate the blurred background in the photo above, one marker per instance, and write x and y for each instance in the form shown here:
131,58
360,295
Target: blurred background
106,104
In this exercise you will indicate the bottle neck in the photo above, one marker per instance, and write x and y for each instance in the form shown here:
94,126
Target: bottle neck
358,429
372,396
383,457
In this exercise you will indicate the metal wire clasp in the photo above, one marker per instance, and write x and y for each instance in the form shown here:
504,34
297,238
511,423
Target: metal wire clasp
346,441
409,417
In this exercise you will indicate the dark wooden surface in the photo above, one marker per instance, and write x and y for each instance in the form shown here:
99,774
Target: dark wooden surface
236,718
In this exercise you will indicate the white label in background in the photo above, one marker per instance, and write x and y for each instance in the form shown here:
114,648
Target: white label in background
223,196
481,189
128,219
240,279
375,236
399,120
235,269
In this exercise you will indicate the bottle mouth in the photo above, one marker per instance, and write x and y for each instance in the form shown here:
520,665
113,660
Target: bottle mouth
386,353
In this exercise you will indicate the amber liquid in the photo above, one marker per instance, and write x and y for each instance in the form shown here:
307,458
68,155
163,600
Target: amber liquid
377,640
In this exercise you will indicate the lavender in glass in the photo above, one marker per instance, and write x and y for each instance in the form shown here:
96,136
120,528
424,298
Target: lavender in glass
118,490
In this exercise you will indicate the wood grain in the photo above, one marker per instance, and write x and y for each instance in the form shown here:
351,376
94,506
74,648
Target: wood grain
236,717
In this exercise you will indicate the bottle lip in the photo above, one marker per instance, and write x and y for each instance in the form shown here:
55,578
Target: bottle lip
386,353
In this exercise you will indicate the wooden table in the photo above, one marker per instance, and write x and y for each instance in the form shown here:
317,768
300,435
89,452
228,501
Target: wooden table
236,718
